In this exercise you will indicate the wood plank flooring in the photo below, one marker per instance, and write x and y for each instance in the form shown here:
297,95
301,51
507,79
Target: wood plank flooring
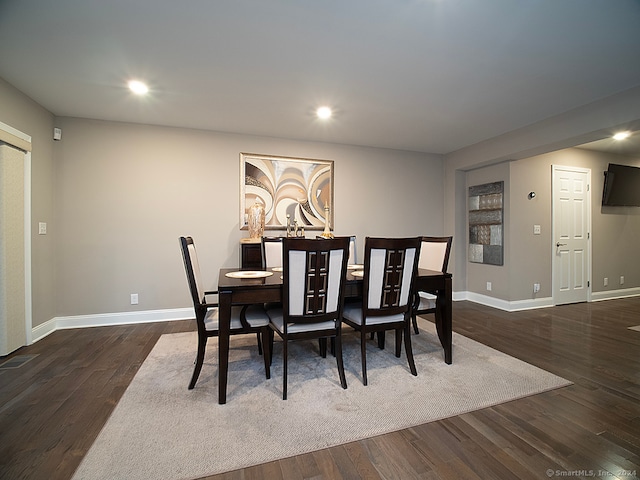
53,407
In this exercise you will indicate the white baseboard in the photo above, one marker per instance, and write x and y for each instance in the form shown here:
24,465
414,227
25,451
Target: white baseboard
42,330
148,316
517,305
105,319
506,305
612,294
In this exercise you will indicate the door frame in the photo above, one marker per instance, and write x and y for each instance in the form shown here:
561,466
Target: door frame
554,205
28,309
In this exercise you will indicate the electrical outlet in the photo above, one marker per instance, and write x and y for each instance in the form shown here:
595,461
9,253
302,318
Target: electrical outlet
621,279
606,281
536,287
42,228
536,229
489,286
134,299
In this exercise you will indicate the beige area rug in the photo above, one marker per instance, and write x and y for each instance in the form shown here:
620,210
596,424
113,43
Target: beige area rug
636,328
159,429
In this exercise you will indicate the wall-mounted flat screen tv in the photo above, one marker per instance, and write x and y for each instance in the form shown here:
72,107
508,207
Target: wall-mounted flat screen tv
621,186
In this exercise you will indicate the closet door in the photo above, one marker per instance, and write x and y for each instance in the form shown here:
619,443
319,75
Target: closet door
12,246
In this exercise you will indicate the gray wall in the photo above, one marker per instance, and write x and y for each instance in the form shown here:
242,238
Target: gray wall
125,193
590,122
529,257
23,114
117,196
479,274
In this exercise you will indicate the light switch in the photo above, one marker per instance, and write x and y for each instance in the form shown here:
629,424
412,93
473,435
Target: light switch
42,228
536,229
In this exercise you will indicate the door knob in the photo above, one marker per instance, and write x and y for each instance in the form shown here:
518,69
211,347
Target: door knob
560,244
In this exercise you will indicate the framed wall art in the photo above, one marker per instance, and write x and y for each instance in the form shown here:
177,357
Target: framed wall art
486,211
297,187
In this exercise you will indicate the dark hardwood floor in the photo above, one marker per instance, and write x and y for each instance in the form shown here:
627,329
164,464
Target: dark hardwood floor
53,407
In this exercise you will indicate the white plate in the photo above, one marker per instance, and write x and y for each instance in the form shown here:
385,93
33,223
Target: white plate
355,267
277,269
249,274
358,273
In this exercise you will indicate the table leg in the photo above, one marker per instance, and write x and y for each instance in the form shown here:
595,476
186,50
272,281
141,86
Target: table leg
443,320
447,326
224,318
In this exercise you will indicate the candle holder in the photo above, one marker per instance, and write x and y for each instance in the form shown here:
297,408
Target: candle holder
327,231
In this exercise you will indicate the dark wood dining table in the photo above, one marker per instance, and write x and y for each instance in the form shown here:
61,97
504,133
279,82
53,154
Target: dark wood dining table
248,291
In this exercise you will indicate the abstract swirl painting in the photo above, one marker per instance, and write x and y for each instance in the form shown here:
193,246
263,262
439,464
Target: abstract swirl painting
297,187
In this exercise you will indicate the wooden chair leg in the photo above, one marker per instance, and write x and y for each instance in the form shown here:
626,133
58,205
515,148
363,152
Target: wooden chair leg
260,350
336,342
271,336
415,324
266,349
202,345
381,339
284,368
363,351
409,349
398,342
322,342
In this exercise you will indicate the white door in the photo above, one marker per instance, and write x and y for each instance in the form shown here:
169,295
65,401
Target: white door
15,241
571,207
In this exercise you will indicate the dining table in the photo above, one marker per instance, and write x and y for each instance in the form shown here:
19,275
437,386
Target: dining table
252,287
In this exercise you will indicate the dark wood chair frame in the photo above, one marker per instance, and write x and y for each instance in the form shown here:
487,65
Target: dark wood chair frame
202,306
391,304
263,249
445,264
316,309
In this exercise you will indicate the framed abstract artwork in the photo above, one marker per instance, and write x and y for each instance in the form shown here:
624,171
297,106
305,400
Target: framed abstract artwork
486,211
294,189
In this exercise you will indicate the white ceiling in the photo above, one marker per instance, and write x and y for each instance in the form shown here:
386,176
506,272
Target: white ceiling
424,75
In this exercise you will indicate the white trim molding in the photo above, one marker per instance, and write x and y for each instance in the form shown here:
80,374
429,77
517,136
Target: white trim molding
506,305
168,315
518,305
612,294
106,319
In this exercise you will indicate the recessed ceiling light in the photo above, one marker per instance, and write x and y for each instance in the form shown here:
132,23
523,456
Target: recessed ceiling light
138,87
621,135
323,113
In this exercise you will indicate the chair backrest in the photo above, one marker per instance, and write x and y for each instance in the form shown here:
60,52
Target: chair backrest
390,266
192,269
271,252
434,253
353,253
314,273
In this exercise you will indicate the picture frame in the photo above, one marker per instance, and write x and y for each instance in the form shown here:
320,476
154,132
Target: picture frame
297,187
486,232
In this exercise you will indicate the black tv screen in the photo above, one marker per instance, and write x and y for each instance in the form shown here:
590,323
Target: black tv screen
621,186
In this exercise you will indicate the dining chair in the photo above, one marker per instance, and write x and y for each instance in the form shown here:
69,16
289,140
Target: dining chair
434,255
390,266
247,319
353,253
353,258
271,252
313,280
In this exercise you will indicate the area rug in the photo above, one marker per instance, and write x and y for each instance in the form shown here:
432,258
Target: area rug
636,328
159,429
